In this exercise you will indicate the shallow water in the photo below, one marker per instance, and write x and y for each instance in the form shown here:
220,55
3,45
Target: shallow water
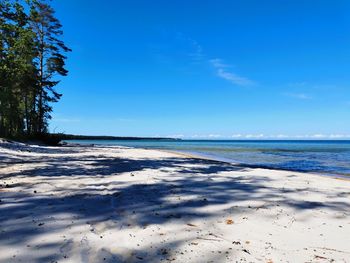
329,157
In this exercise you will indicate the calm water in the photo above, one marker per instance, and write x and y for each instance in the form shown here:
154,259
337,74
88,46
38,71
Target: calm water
329,157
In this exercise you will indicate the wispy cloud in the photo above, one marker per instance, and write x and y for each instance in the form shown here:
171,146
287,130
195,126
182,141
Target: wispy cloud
218,63
234,78
302,85
322,136
339,136
176,136
197,56
222,71
300,96
206,136
254,136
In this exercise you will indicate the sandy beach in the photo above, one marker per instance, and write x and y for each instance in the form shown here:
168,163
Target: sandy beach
118,204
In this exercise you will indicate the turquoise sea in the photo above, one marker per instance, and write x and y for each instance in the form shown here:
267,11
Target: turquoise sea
327,157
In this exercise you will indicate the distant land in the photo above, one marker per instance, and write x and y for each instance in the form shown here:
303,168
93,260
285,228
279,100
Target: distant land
112,138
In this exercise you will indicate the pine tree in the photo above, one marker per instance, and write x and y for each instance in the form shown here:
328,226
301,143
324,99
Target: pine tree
31,57
16,67
50,60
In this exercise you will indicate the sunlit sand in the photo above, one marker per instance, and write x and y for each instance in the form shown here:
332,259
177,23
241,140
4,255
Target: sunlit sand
116,204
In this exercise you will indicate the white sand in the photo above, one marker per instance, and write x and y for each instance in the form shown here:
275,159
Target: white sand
114,204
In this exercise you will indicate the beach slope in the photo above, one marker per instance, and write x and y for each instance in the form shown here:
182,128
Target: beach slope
117,204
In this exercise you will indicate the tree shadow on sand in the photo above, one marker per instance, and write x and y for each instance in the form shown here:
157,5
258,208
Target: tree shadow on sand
190,187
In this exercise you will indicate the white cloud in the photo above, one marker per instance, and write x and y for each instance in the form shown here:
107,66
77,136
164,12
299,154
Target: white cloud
340,136
281,136
234,78
318,136
198,56
176,136
217,63
223,72
205,136
254,136
214,136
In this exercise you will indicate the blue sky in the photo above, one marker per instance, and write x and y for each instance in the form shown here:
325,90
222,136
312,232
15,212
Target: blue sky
206,69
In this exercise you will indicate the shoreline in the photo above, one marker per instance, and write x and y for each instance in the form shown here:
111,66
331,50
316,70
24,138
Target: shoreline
121,204
338,176
252,166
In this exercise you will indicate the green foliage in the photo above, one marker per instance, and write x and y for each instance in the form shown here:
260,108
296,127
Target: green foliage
31,57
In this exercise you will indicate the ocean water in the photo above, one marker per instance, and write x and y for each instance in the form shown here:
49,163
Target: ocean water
326,157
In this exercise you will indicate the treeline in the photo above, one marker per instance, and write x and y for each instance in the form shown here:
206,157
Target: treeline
32,59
